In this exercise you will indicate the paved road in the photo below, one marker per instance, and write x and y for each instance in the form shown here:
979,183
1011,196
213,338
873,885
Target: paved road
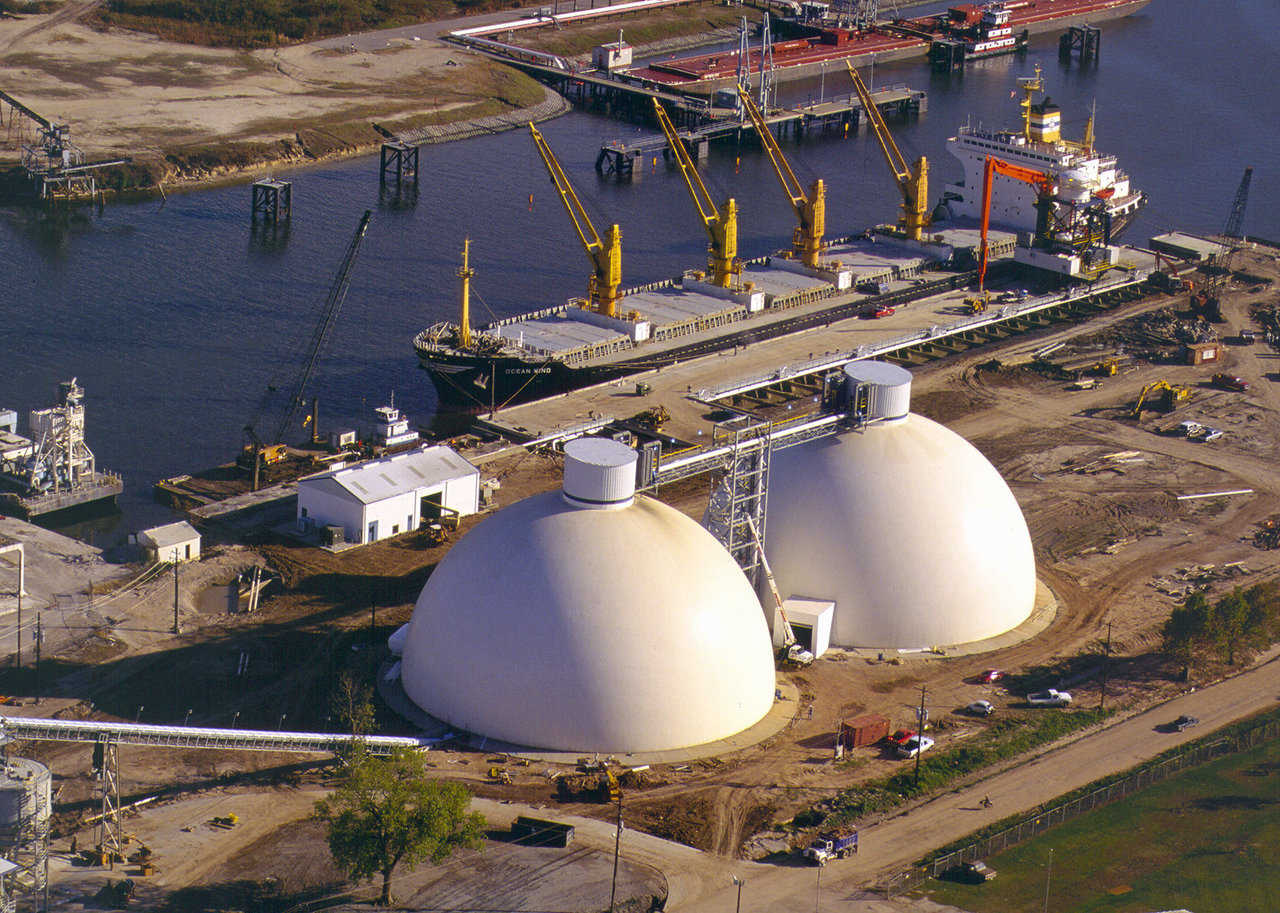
700,883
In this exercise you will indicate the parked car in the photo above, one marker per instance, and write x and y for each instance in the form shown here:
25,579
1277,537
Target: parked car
1183,723
991,676
1230,382
917,744
975,872
1049,698
873,312
980,708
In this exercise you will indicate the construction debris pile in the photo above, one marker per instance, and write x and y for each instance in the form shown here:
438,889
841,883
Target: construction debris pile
1196,577
1268,317
1267,535
1161,335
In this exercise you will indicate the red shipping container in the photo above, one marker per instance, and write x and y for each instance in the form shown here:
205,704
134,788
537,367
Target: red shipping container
863,730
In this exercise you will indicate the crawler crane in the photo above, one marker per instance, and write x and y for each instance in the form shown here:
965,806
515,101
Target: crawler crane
913,181
606,255
811,207
721,224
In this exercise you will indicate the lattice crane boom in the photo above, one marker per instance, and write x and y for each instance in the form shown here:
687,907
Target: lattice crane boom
605,255
810,207
721,224
328,317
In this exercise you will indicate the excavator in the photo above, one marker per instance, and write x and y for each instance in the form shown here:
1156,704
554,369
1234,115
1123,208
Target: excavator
1044,202
810,207
792,650
605,255
1172,395
913,181
721,224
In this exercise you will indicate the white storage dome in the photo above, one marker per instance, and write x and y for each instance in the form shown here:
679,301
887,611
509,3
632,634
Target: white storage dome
904,525
555,625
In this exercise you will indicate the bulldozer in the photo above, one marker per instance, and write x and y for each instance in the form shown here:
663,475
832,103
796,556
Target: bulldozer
977,304
654,417
499,775
1170,396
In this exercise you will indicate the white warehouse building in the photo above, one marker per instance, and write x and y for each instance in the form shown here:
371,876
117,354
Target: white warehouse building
393,495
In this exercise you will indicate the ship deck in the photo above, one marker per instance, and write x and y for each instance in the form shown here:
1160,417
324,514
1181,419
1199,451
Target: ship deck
681,388
1039,16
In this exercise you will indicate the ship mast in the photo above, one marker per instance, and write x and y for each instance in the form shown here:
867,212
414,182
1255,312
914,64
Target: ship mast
465,273
1029,85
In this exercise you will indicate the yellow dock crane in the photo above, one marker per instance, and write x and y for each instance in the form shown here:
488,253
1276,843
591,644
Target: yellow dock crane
811,207
913,181
721,224
606,255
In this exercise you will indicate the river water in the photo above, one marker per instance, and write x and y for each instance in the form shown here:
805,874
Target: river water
176,317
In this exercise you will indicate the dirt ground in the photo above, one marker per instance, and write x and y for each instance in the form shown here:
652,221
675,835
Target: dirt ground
128,93
1100,492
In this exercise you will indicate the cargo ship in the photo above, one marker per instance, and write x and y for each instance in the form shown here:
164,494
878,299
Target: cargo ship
1085,180
983,30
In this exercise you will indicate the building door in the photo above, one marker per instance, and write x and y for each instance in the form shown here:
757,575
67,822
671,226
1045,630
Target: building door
373,532
430,509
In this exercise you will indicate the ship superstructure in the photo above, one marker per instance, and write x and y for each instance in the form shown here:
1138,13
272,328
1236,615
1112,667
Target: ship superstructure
1085,178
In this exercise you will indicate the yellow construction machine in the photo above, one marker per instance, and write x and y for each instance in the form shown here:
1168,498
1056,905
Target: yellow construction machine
810,207
605,255
499,775
721,224
1170,396
912,181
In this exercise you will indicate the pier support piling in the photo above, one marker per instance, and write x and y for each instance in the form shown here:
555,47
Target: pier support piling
272,200
399,163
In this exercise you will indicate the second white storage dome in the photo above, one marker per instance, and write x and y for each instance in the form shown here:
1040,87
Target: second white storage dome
903,524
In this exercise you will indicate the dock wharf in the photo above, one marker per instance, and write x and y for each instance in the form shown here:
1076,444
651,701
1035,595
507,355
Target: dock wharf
100,487
842,113
788,371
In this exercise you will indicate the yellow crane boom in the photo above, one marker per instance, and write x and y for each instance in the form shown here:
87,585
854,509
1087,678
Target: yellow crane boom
721,224
606,255
913,181
811,207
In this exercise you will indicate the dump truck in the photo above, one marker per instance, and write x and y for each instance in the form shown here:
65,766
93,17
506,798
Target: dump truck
832,845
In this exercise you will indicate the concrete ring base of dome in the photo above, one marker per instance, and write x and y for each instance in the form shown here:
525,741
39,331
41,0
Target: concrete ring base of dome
1042,615
780,715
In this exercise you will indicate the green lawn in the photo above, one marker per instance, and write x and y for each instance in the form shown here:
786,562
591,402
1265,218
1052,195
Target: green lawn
1207,840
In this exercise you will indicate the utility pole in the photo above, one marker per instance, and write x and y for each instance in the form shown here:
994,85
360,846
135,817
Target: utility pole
920,734
739,882
175,591
1048,873
39,638
617,847
1106,663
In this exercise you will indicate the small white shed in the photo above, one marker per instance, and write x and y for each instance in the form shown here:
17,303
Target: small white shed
171,542
810,622
389,496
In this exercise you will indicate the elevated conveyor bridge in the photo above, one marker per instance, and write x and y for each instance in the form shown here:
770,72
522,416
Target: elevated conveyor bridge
93,731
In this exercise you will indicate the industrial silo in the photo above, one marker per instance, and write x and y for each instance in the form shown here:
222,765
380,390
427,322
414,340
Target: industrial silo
26,806
590,619
901,522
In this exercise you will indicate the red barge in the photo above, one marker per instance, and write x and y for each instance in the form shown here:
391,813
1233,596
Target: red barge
901,39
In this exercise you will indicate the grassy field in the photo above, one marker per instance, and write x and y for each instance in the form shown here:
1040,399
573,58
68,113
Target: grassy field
1206,840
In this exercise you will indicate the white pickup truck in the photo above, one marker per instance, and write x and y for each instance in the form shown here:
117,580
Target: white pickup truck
1049,698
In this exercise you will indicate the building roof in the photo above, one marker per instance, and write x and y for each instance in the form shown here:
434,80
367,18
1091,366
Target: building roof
377,480
170,534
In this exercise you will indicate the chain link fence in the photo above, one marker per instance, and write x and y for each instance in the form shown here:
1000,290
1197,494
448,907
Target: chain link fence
1043,821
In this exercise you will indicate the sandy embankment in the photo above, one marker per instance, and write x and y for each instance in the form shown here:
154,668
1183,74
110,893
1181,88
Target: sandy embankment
199,114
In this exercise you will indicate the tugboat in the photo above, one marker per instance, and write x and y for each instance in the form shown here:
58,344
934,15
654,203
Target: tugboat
1085,178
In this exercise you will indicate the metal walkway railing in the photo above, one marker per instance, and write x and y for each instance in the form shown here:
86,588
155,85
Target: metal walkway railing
199,737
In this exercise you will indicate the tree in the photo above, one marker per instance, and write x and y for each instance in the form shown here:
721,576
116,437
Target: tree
387,811
1187,628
